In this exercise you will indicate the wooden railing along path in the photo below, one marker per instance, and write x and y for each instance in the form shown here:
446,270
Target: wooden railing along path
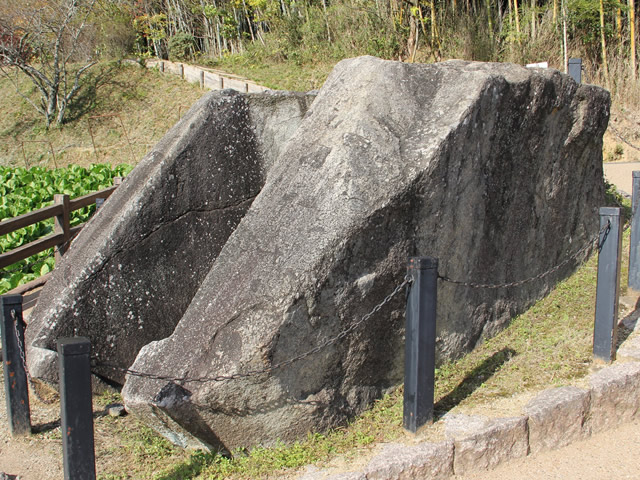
205,77
62,231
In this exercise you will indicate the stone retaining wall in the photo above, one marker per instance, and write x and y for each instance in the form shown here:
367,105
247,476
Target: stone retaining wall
553,419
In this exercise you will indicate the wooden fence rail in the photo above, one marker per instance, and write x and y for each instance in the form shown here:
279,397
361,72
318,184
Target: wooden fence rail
62,231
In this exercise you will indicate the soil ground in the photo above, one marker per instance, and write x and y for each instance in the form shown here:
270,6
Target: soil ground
606,456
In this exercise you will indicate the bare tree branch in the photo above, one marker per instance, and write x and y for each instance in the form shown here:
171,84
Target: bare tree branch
45,43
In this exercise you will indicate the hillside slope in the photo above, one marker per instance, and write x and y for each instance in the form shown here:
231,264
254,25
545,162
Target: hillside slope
121,112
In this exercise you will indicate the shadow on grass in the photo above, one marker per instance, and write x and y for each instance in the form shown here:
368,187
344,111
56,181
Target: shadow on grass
627,325
191,468
86,100
49,426
473,380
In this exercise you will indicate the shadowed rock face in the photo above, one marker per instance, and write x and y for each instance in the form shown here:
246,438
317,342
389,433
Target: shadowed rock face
492,168
134,269
298,226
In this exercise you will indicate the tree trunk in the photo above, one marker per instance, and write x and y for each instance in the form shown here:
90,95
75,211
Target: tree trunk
534,19
603,45
434,32
515,10
564,37
326,21
632,34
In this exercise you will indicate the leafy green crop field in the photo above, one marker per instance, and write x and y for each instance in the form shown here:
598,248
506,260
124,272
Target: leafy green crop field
25,190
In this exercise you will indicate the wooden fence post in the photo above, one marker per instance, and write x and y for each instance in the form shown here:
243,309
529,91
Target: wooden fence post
76,412
16,387
202,79
420,343
61,224
608,285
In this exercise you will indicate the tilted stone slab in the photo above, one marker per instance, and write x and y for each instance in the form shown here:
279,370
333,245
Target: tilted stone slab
407,462
614,396
485,443
133,270
557,418
481,165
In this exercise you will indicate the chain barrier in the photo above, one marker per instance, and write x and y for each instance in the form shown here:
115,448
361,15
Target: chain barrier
619,135
23,359
255,373
595,241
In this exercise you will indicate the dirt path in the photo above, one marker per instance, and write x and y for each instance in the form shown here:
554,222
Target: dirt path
621,174
605,456
32,458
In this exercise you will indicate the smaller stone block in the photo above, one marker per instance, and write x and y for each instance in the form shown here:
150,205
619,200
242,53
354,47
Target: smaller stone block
630,349
399,462
557,418
485,443
614,397
115,410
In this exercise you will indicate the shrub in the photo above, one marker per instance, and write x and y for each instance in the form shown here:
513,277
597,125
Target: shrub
181,46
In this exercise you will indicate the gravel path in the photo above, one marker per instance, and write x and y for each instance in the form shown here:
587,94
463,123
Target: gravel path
620,174
31,458
605,456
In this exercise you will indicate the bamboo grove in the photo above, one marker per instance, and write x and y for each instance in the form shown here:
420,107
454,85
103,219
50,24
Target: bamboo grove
602,32
413,30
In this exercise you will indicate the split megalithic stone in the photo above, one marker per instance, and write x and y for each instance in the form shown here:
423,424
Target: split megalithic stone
494,169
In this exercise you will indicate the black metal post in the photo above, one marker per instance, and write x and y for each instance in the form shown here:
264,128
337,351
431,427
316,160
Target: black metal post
634,243
76,413
420,343
16,388
607,292
575,69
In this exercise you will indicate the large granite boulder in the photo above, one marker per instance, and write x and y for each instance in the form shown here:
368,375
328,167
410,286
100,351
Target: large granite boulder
492,168
134,269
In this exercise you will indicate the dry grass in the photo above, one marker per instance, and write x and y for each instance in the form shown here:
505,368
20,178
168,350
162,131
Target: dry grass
134,107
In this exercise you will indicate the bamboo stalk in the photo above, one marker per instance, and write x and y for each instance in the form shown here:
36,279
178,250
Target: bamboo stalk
603,44
632,34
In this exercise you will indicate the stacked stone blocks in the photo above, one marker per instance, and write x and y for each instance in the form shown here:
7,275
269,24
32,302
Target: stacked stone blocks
553,419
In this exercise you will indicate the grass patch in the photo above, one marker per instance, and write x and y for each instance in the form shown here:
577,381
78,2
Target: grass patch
134,107
270,72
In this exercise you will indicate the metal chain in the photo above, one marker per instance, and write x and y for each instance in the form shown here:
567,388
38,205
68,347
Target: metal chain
518,283
254,373
619,135
604,233
23,359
